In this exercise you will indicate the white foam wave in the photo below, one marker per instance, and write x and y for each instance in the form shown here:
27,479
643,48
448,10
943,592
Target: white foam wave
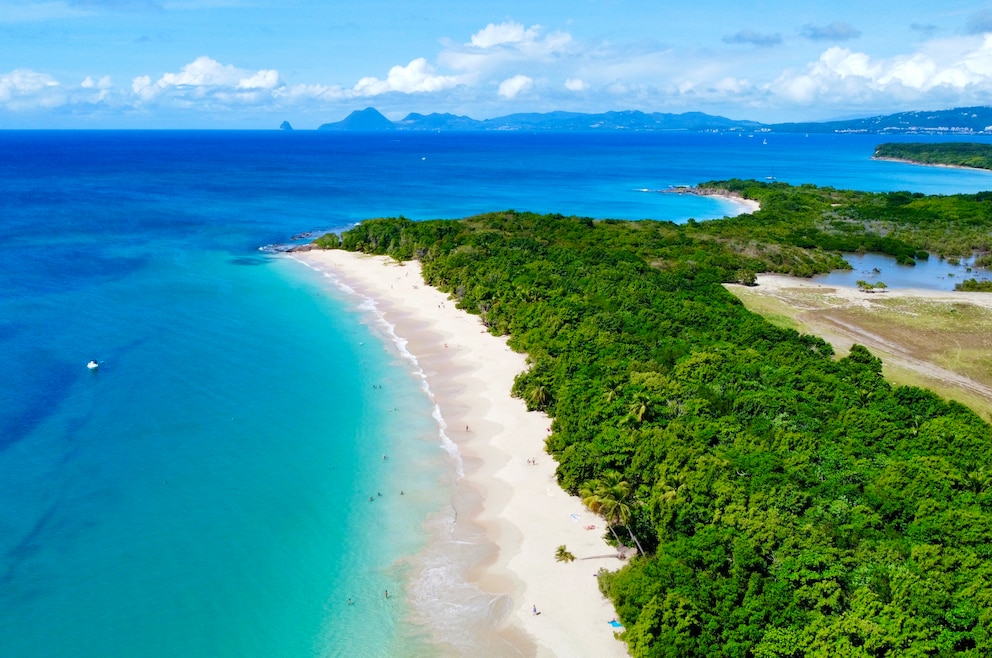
461,615
369,306
463,618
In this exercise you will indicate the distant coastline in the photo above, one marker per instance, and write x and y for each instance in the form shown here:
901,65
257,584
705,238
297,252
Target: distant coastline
960,155
957,121
927,164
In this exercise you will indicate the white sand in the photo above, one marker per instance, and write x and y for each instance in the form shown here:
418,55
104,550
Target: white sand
746,206
523,510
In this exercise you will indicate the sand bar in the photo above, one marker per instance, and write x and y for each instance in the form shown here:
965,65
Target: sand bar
524,513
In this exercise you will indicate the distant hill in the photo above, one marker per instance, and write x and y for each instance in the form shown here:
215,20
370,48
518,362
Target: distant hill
948,154
369,119
963,120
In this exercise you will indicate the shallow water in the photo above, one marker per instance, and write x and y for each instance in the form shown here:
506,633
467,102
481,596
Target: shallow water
929,274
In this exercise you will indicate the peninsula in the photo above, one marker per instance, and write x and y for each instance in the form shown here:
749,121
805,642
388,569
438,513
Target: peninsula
777,499
945,154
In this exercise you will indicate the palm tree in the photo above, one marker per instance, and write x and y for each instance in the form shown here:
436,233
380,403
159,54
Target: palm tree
538,397
610,497
639,410
564,555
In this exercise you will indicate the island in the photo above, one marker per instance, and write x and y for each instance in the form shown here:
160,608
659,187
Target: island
775,497
970,155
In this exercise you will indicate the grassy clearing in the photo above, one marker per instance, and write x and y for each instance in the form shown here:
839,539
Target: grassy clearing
917,339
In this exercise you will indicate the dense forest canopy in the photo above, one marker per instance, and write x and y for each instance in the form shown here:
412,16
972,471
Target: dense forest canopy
952,154
788,503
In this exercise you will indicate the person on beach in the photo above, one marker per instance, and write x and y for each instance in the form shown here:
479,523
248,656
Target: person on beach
535,610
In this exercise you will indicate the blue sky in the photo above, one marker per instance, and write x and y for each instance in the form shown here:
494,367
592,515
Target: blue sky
255,63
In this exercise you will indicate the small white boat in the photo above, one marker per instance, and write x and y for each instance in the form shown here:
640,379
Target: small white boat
93,365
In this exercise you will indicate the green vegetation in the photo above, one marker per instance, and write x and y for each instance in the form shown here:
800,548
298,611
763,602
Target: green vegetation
871,287
784,502
974,285
955,154
562,554
908,226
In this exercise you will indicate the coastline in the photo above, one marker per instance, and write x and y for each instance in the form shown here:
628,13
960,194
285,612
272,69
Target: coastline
508,507
746,206
929,164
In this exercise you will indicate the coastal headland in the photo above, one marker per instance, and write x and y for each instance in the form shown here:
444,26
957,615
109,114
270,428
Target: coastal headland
508,491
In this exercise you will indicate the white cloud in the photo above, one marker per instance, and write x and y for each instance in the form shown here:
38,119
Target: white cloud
510,87
417,76
496,48
24,89
576,84
504,33
962,66
95,91
206,79
102,83
306,93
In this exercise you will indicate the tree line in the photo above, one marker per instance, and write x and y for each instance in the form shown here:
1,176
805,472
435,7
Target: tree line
952,154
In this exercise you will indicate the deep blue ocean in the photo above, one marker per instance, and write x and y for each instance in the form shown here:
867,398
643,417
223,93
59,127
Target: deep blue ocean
205,492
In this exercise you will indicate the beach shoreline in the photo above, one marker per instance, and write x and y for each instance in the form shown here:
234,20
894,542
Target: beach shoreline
508,506
746,206
928,164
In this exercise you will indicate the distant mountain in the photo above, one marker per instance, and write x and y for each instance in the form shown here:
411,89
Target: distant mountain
963,120
960,120
437,122
370,119
367,120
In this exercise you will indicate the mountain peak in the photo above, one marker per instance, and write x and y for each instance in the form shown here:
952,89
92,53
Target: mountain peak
369,119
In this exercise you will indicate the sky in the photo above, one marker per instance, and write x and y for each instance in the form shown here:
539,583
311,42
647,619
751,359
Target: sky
251,64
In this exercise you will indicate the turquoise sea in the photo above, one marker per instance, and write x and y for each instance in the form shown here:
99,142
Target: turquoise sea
206,491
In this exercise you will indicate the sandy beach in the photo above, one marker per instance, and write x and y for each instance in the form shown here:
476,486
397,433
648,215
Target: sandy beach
744,206
510,492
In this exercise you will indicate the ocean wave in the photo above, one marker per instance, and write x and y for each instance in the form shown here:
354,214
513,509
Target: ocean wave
370,307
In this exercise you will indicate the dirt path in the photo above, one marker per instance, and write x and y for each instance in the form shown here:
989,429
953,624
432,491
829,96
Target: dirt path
934,339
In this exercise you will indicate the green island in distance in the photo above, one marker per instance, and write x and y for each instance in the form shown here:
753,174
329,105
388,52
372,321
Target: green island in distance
948,154
784,502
